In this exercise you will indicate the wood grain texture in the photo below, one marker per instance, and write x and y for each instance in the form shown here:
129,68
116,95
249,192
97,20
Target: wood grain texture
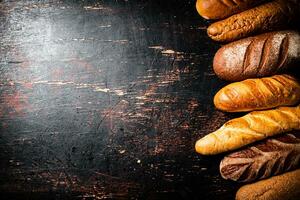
104,100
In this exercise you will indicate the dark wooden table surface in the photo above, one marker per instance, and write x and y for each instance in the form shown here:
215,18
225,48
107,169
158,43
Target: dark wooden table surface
105,100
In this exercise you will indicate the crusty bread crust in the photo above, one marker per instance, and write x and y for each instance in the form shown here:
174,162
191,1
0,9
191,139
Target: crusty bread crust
267,158
258,56
282,187
267,17
259,94
220,9
250,128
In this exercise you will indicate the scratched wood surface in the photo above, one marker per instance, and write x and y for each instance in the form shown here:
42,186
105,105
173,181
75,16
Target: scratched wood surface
105,100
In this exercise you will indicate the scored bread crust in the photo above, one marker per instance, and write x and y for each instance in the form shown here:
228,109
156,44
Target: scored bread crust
267,158
258,94
284,186
259,56
267,17
250,128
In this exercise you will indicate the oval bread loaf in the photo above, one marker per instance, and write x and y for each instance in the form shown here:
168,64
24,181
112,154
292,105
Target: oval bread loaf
258,56
285,186
250,128
258,94
267,17
268,158
219,9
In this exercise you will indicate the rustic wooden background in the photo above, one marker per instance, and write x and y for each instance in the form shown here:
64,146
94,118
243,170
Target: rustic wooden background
105,100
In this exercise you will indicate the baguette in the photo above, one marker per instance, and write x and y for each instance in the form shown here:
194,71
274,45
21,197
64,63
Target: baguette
250,128
258,56
267,158
220,9
285,186
258,94
267,17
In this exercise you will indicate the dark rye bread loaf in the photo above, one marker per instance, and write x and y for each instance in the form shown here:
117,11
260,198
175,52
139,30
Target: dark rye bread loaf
267,158
220,9
270,16
258,56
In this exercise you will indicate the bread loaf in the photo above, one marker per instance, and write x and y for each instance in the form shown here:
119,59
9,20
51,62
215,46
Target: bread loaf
258,56
282,187
267,17
250,128
219,9
267,158
258,94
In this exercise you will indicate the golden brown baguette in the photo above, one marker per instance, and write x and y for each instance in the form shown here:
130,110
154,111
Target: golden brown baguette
250,128
267,158
258,56
258,94
267,17
282,187
219,9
